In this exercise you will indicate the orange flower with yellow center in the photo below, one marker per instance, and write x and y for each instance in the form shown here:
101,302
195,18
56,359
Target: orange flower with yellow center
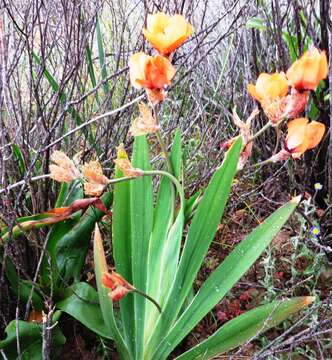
309,70
167,33
303,135
269,87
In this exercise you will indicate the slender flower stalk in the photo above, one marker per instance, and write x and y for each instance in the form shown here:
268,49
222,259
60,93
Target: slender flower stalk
161,141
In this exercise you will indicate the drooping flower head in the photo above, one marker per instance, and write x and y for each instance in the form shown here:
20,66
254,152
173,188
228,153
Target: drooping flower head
303,135
119,286
309,70
246,134
64,169
167,33
153,73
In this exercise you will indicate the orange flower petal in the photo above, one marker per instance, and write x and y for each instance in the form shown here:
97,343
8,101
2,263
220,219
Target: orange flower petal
296,138
315,133
253,92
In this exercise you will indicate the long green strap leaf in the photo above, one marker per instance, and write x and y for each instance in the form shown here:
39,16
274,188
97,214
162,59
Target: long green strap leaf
200,235
244,327
165,239
225,276
121,238
141,204
106,303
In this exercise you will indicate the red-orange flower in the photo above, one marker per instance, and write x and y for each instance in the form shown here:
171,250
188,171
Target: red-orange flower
309,70
150,72
119,286
167,33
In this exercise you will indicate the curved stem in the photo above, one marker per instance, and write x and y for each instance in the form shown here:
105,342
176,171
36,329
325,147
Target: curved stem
149,298
172,178
261,131
278,134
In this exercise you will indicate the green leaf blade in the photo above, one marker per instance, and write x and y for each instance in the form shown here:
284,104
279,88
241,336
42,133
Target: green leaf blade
141,207
244,327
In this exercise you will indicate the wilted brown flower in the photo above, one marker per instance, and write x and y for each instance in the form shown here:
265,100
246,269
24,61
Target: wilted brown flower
96,181
145,124
124,165
64,169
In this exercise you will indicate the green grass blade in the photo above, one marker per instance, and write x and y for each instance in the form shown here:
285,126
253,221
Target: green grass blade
226,275
244,327
141,204
63,99
200,235
106,303
91,70
20,159
101,53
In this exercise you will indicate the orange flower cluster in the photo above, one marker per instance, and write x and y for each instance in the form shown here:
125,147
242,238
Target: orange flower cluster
272,90
285,96
155,73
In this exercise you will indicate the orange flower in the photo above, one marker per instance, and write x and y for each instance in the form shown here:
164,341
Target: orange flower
309,70
303,136
269,87
119,286
64,169
289,106
151,73
167,33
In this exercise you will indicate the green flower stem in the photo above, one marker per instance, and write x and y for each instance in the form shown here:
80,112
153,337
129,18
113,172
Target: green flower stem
172,178
161,141
261,131
149,298
164,151
151,173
